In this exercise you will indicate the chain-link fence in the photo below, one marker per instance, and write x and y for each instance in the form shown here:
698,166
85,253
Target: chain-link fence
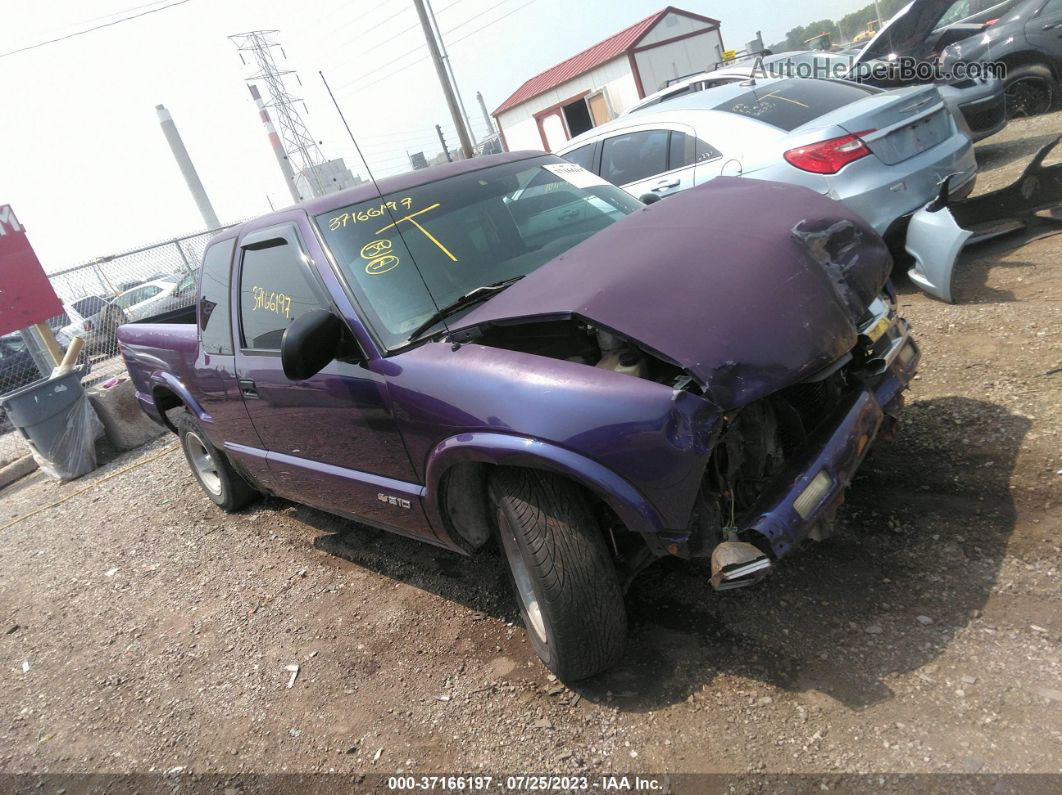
98,297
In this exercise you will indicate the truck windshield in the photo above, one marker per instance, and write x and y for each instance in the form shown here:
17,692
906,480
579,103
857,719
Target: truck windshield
461,233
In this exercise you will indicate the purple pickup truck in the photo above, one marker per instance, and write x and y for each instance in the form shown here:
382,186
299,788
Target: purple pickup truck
510,348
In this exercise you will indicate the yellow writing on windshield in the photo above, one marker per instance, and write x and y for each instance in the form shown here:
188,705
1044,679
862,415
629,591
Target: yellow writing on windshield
341,220
379,256
412,219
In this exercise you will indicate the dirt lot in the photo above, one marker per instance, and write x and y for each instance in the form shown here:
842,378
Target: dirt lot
143,630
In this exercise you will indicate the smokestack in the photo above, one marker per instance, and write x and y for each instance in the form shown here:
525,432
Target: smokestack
274,141
180,154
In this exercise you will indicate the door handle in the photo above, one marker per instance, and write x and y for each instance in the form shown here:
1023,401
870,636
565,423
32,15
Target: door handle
248,388
664,184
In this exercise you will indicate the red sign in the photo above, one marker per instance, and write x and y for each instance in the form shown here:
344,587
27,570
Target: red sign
26,295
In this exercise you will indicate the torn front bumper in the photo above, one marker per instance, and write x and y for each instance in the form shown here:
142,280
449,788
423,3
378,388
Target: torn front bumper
939,231
814,482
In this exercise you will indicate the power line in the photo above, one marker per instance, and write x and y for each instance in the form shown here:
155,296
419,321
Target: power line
395,35
420,47
97,27
499,19
117,13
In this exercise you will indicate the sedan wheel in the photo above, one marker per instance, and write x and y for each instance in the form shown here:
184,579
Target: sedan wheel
1028,96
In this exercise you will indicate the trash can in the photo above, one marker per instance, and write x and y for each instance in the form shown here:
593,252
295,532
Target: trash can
56,419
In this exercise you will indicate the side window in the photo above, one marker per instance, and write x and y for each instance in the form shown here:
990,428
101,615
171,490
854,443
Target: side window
150,292
215,327
131,298
634,156
274,290
583,156
682,150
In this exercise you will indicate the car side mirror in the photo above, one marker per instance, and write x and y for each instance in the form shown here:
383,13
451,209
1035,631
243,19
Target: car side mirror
649,198
310,343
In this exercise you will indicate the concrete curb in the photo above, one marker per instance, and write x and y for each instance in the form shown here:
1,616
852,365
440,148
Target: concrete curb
16,470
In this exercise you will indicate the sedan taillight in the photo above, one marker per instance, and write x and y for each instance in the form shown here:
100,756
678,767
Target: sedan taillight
88,325
829,157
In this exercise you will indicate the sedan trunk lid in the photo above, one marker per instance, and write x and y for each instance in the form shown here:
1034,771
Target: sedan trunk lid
896,125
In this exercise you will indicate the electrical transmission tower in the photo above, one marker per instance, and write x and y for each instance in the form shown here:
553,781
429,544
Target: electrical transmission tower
299,147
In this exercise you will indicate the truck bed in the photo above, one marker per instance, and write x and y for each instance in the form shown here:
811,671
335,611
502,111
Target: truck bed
154,351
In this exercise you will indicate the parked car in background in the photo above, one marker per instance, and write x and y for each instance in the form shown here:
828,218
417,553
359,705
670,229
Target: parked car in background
184,293
17,367
979,103
95,319
1026,35
883,153
511,348
148,298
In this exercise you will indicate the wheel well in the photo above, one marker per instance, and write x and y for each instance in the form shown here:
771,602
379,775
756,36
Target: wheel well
466,509
1028,59
166,400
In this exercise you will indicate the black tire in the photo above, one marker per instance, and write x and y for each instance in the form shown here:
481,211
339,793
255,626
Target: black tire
561,572
1030,91
227,489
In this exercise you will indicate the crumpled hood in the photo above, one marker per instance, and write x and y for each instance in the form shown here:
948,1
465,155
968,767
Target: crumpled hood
748,285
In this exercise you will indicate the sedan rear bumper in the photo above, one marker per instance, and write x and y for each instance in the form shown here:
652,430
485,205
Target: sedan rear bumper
882,194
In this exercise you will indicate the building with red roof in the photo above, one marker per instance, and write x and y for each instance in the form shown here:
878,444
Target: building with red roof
604,80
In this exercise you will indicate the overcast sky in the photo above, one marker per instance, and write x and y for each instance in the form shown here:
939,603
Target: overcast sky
89,173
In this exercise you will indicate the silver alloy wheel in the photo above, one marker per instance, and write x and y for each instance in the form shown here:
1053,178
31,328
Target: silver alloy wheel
202,463
524,589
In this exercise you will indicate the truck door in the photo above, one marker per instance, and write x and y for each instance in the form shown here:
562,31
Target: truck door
330,441
214,383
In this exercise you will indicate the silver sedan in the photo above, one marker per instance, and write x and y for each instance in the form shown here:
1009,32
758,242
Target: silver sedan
883,153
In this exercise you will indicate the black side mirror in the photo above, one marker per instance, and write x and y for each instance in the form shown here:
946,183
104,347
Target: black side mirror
310,343
649,198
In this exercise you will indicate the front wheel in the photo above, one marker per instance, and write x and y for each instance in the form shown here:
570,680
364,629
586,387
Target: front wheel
216,476
564,579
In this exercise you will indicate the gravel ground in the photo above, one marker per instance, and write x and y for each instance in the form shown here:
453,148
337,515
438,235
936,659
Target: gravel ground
141,629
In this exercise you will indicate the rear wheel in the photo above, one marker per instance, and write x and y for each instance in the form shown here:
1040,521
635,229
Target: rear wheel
564,579
216,476
1030,91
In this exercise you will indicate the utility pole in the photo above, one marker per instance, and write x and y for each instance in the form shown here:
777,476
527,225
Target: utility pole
444,80
300,147
442,141
486,114
450,69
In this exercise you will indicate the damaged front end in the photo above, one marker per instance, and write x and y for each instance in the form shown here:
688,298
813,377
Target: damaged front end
763,307
939,231
781,465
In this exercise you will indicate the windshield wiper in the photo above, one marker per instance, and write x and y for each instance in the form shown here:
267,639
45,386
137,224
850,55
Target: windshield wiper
481,293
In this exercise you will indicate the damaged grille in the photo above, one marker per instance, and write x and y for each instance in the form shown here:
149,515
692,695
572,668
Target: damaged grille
761,437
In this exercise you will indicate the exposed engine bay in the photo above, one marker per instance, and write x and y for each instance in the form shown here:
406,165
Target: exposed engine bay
581,342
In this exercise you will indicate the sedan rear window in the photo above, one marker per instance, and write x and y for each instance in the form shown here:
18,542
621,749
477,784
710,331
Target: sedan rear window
792,103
